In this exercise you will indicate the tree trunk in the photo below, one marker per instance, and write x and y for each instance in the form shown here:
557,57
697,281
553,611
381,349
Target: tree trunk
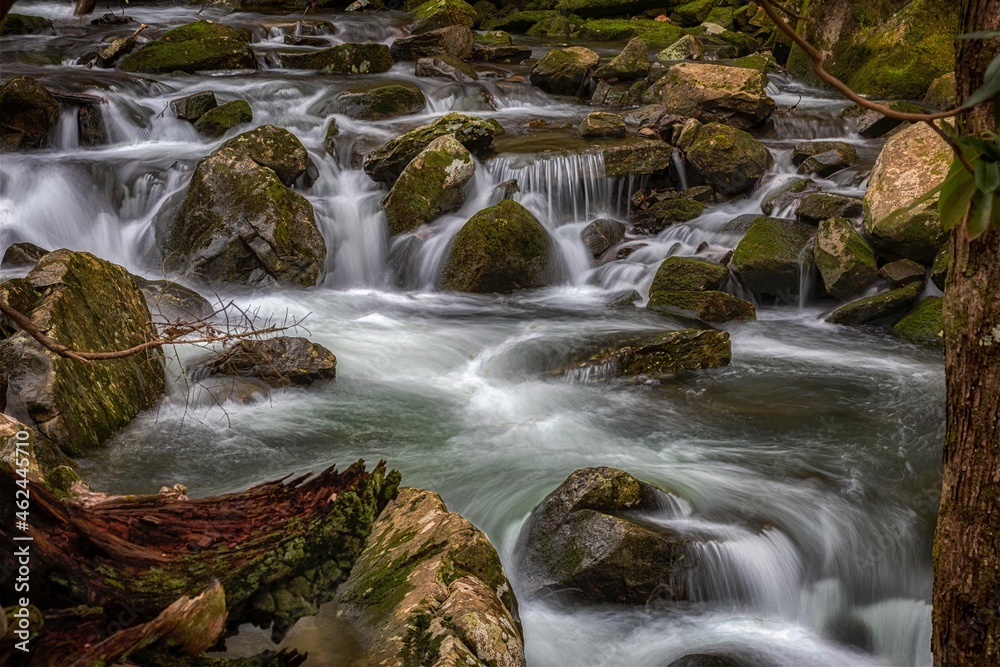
967,541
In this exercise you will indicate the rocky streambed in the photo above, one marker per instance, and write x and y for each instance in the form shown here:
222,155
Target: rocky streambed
634,300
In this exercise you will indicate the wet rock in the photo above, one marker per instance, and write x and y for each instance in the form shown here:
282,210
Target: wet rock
872,124
707,660
824,205
20,295
42,460
365,6
349,58
564,71
638,158
584,540
430,185
22,24
110,19
602,8
684,274
284,361
762,62
902,271
305,40
27,114
845,260
887,306
169,301
115,51
769,258
193,107
22,254
275,148
652,356
429,588
911,164
661,215
379,103
216,122
520,22
90,125
600,235
710,306
939,270
942,92
494,38
442,13
239,223
624,299
632,63
453,40
687,47
728,159
553,27
824,157
713,93
924,324
446,67
618,94
788,195
91,305
602,124
195,47
691,14
386,163
500,249
488,53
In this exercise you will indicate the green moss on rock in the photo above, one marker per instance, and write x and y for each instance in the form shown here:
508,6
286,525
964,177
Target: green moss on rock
769,258
845,260
709,306
275,148
22,24
728,159
216,122
887,306
653,33
924,324
564,71
27,114
380,103
442,13
710,92
685,274
349,58
195,47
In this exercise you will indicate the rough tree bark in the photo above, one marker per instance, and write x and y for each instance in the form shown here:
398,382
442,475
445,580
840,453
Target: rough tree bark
967,541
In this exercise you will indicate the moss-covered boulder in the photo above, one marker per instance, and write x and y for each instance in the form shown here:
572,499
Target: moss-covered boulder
446,67
884,307
22,24
728,159
27,114
820,206
520,22
942,93
379,103
686,274
430,185
500,249
429,589
193,107
601,8
283,361
453,40
442,13
651,356
493,38
711,306
845,260
619,95
582,541
661,215
275,148
195,47
600,235
911,164
769,258
733,95
924,324
386,163
692,13
602,124
631,63
656,34
76,405
565,71
891,49
687,47
349,58
239,223
216,122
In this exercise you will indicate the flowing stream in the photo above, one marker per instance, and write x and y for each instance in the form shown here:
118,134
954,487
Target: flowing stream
810,467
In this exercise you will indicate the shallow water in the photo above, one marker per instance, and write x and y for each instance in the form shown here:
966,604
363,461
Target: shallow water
809,467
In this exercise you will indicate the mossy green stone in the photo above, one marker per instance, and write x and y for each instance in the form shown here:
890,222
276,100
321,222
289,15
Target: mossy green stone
845,260
500,249
873,309
661,215
442,13
380,103
728,159
686,274
769,258
939,270
924,324
22,24
521,22
349,58
493,38
692,13
275,148
709,306
604,8
653,33
821,206
554,26
195,47
216,122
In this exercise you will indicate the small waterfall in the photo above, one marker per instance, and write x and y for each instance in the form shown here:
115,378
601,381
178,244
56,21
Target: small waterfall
681,170
592,373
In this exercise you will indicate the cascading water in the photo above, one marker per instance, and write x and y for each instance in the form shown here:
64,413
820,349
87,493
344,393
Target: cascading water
803,472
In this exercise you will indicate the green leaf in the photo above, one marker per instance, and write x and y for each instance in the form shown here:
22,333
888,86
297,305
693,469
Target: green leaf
956,192
979,218
982,34
987,176
989,149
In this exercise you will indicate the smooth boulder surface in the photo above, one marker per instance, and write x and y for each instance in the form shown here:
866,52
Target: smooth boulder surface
379,103
632,63
583,541
845,261
90,305
500,249
169,301
564,71
284,361
22,254
429,589
386,163
713,93
446,67
600,235
711,306
442,13
27,114
275,148
768,260
453,40
23,24
195,47
430,185
239,223
686,274
887,306
824,157
728,159
193,107
902,271
602,124
349,58
911,164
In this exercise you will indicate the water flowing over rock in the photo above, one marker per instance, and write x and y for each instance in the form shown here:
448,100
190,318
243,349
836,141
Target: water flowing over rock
379,103
729,160
564,71
193,107
195,47
446,67
429,186
350,58
585,540
769,258
453,40
911,164
22,24
430,589
713,93
27,114
500,249
93,306
823,157
239,223
845,260
283,361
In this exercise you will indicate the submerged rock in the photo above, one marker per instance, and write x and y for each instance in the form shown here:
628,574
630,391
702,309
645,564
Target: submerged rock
564,71
924,324
585,540
769,258
195,47
845,260
27,114
600,235
631,63
429,186
216,122
349,58
379,103
500,249
713,93
728,159
442,13
284,361
94,306
711,306
879,308
239,223
453,40
429,589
